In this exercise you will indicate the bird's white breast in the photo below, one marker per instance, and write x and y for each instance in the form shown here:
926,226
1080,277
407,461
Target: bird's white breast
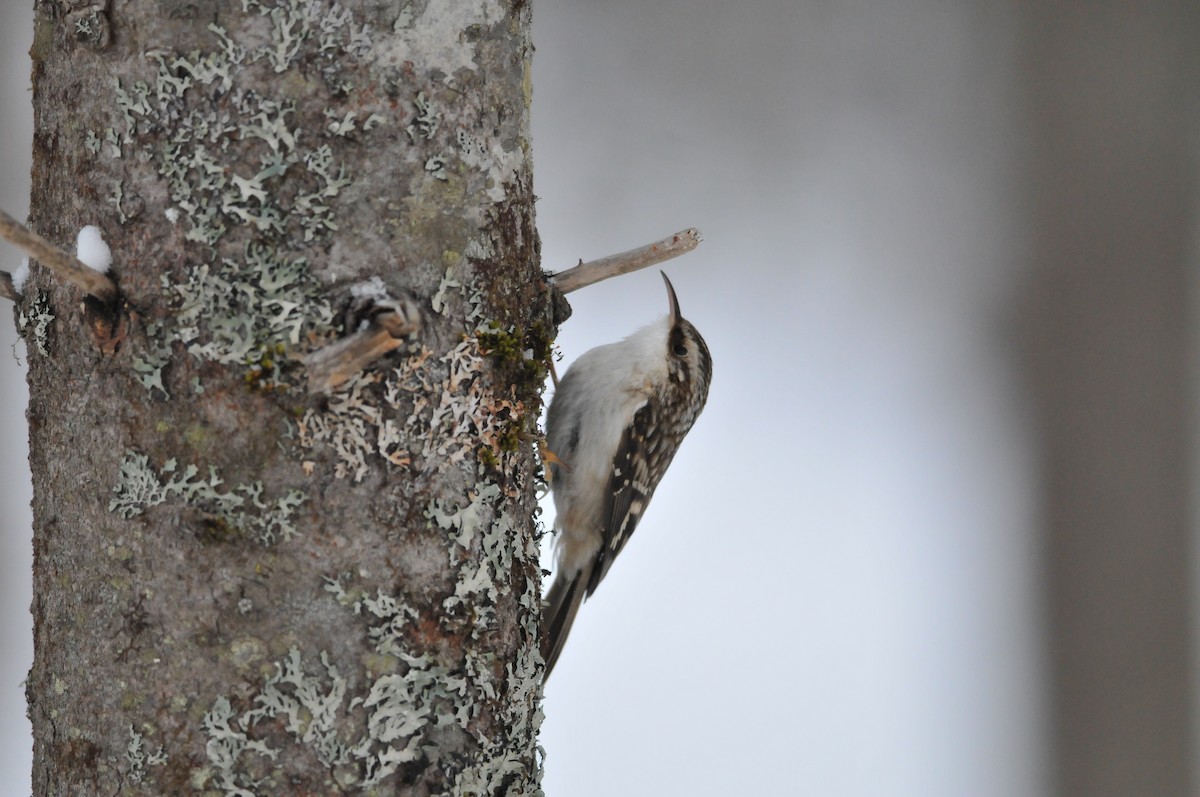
588,415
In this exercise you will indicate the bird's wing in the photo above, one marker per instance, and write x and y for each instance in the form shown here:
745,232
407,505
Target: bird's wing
631,486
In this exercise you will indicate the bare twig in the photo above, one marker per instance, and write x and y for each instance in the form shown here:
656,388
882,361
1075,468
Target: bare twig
65,265
615,265
7,291
340,361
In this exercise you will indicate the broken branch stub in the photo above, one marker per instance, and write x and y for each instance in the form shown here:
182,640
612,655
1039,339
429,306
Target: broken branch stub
65,266
392,321
594,271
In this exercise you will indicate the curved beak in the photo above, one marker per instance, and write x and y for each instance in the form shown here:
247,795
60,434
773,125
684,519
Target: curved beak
675,316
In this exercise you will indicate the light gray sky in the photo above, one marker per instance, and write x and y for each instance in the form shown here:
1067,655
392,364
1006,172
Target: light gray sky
834,589
16,555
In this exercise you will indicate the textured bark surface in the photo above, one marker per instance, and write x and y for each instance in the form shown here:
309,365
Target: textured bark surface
241,589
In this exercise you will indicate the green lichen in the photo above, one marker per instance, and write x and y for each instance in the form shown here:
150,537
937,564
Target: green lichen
510,437
487,458
523,355
506,346
522,358
197,436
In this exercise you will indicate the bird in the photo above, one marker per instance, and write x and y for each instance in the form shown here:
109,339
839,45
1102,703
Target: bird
614,424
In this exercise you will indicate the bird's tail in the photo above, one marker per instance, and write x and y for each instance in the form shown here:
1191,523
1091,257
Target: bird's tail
563,600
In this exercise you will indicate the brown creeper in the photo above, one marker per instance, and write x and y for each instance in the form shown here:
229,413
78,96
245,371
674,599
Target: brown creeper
614,425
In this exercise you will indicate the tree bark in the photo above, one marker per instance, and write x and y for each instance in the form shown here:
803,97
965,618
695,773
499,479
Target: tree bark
242,588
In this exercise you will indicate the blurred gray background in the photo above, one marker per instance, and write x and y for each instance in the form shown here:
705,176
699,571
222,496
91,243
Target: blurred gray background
934,534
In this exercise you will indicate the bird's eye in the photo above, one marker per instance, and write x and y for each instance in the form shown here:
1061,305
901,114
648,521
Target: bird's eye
680,349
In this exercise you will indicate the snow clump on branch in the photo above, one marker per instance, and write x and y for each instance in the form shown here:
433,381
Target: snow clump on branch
20,276
92,251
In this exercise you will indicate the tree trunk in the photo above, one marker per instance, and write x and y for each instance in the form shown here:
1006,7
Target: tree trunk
242,588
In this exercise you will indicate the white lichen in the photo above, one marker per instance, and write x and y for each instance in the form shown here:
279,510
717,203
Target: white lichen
488,530
471,297
377,732
247,311
139,759
438,301
438,45
225,747
354,427
404,19
131,104
436,166
483,533
381,414
426,121
116,198
148,367
341,124
34,318
202,130
310,707
297,22
363,740
139,487
234,160
497,161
